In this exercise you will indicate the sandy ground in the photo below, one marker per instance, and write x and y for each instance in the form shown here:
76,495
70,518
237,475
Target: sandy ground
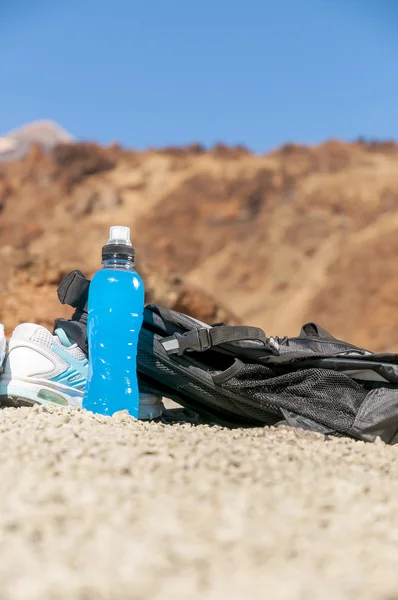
109,508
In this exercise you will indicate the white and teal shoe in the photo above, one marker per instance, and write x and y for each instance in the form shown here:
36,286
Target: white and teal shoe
3,346
41,367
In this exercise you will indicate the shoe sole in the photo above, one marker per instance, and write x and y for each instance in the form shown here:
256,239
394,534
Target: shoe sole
18,392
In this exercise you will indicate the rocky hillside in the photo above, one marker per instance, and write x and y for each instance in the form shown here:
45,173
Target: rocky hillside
300,234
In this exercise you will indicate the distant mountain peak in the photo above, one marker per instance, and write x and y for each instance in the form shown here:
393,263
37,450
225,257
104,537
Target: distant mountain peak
43,127
15,144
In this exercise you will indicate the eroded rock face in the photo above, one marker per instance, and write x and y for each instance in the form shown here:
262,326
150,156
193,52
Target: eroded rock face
300,234
55,210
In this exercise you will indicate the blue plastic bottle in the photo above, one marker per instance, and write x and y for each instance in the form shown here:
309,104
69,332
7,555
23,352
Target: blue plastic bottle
115,312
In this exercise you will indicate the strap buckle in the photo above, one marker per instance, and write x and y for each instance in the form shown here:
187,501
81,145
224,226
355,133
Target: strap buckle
196,340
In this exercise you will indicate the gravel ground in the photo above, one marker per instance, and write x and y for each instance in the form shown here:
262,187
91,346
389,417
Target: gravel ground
110,508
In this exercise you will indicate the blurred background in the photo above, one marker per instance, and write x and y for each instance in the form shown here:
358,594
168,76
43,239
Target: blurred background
248,145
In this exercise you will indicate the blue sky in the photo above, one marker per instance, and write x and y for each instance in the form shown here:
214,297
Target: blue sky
161,72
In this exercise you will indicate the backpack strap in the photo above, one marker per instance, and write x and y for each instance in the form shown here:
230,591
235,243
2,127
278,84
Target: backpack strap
203,338
73,290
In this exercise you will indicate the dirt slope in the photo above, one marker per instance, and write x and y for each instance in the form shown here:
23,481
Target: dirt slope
55,213
300,234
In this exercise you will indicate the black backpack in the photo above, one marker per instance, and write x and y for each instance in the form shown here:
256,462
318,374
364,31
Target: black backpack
237,376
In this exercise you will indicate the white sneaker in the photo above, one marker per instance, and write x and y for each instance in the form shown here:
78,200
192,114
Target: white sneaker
41,367
3,346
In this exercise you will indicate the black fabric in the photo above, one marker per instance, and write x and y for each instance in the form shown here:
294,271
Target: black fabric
296,386
327,397
205,338
386,370
224,334
377,416
229,373
73,290
295,420
312,330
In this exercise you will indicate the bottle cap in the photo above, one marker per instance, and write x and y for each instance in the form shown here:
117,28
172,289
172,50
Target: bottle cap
118,234
119,244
